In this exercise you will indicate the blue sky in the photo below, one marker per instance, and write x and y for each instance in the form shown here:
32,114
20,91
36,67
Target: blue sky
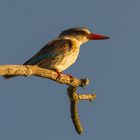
36,108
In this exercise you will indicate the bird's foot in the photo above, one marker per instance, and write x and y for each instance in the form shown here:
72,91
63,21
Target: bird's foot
71,77
58,74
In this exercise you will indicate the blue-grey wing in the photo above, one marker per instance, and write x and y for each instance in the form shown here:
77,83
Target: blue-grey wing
50,51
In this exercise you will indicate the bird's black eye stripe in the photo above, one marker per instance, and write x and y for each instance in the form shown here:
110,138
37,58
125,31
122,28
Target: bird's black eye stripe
81,32
78,32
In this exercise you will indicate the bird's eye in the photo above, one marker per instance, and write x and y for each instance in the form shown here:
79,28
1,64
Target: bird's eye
81,33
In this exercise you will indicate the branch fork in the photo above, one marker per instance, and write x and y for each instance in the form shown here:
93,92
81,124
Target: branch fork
74,97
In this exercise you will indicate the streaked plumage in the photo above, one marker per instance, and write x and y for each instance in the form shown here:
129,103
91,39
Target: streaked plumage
57,55
62,52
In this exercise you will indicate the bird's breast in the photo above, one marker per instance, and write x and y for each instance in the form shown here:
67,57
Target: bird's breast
67,59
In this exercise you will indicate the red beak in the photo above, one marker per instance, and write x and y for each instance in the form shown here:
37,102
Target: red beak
97,37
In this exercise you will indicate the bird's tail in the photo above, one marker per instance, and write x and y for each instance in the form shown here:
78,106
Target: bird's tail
9,76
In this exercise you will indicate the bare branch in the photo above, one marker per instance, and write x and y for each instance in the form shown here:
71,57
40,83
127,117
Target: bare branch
74,97
28,70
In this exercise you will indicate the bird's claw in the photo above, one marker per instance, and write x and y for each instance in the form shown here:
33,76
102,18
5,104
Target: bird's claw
71,77
58,75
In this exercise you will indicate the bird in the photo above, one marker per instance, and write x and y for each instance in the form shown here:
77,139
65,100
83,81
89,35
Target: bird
60,53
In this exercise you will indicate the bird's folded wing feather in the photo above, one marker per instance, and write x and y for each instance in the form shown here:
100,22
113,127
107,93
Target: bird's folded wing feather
50,51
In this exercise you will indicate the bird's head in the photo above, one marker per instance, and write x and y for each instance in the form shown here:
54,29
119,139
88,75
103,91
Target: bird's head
81,34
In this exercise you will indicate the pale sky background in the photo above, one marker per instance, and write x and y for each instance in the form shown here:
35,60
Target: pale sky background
38,109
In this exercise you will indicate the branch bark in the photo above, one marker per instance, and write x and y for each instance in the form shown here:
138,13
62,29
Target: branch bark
74,97
28,70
